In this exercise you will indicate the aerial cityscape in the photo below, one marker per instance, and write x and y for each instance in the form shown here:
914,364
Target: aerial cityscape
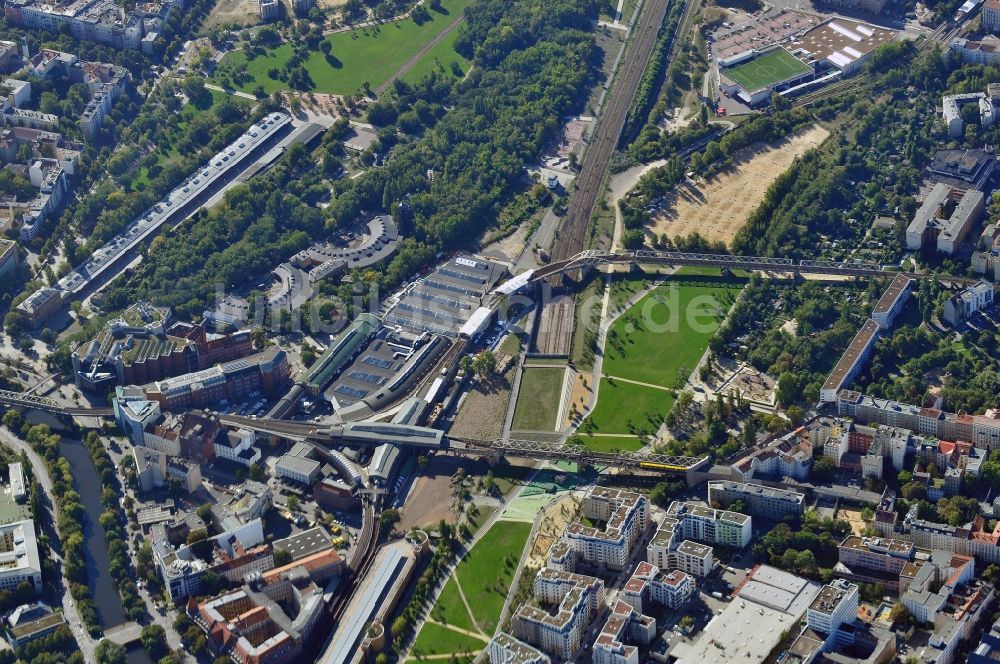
499,331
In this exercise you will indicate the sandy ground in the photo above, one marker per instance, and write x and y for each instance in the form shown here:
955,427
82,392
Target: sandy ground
482,412
717,209
553,520
582,388
854,518
240,12
431,498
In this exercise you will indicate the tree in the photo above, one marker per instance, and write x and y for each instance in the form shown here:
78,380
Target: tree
109,652
485,364
389,518
292,503
154,641
282,557
795,415
824,468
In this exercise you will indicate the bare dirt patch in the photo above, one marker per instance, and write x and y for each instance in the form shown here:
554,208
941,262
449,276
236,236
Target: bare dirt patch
234,12
853,517
482,412
432,497
718,208
552,521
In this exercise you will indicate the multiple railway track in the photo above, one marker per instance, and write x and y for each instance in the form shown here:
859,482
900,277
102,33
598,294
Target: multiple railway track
573,232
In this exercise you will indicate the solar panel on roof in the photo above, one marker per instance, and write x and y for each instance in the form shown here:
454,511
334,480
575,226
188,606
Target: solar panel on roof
379,362
367,377
351,391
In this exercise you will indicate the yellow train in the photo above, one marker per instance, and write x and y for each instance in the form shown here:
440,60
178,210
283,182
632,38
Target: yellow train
649,465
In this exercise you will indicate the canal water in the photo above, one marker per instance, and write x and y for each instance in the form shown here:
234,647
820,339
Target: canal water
102,586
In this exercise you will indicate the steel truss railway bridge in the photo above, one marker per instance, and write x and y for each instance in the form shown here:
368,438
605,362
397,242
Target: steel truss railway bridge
20,400
593,258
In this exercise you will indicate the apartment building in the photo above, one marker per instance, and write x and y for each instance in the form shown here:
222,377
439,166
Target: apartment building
983,431
649,583
10,259
578,600
623,624
505,649
667,550
961,306
100,21
19,560
945,219
891,562
990,17
758,500
40,306
626,518
853,359
711,526
947,595
789,456
836,604
892,301
973,539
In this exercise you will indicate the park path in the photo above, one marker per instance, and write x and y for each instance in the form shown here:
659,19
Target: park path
408,65
465,601
475,635
639,382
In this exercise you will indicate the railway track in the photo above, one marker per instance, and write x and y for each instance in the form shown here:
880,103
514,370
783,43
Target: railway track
573,232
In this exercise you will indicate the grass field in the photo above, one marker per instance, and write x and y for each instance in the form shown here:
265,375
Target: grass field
667,331
440,59
620,404
538,398
439,640
485,575
769,69
450,609
366,54
600,443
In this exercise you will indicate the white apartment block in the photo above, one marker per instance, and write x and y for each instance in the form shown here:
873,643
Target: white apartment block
505,649
624,623
19,561
671,589
836,604
626,515
758,500
578,598
667,551
712,526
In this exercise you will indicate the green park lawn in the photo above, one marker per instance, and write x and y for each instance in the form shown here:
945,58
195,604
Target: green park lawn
440,59
370,54
620,404
439,640
450,609
666,332
538,398
600,443
485,577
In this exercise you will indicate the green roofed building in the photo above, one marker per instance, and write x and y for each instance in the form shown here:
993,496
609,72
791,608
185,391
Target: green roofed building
752,76
340,352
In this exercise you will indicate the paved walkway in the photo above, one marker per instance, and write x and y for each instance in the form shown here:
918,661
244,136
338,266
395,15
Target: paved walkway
408,65
639,382
474,635
235,93
468,608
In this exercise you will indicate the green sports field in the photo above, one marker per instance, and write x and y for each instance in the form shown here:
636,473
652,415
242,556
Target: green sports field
766,70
